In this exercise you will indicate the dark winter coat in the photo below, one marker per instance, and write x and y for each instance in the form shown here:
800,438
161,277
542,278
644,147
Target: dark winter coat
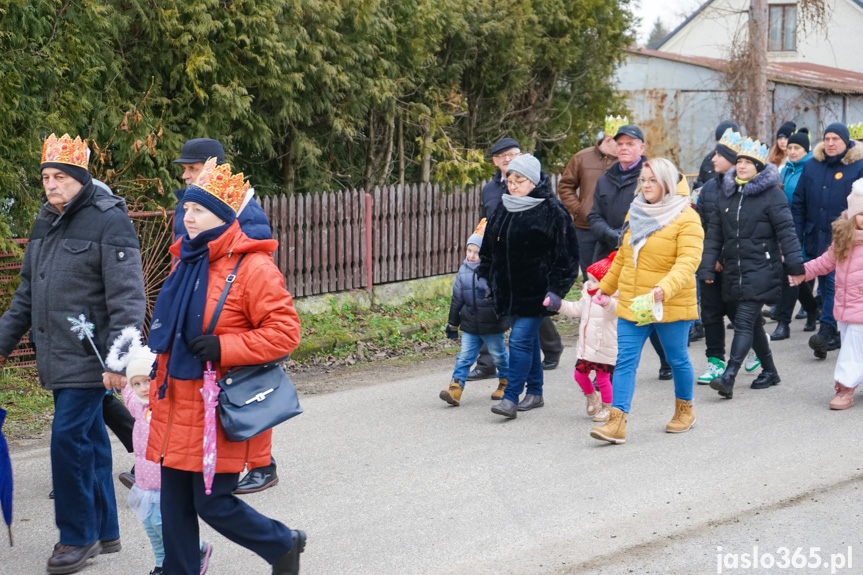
470,308
707,199
822,195
612,197
253,219
752,228
706,172
84,261
491,194
526,254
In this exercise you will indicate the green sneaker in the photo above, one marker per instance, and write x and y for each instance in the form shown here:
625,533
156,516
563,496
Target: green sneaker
715,368
752,362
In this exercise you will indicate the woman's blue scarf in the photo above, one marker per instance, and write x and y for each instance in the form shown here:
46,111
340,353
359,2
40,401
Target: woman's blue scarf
178,315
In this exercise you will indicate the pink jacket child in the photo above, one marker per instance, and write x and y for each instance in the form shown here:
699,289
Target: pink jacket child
597,340
845,255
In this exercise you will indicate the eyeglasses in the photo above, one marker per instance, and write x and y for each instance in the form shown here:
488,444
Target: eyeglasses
642,181
514,183
507,155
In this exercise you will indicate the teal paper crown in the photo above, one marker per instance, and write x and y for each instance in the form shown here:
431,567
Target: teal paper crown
752,149
731,139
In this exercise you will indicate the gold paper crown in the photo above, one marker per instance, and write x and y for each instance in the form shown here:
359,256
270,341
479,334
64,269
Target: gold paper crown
731,139
612,124
218,182
480,228
856,131
65,150
753,149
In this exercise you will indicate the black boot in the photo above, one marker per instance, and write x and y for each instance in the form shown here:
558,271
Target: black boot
769,312
768,376
781,332
665,372
724,384
811,322
827,339
289,563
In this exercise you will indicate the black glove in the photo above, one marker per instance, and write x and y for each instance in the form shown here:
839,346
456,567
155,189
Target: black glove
612,237
553,302
206,347
452,331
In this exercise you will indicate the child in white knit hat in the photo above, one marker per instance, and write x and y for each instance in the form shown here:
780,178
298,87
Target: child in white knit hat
144,496
845,255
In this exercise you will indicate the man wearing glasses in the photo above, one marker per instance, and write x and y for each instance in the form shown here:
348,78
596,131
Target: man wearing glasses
502,153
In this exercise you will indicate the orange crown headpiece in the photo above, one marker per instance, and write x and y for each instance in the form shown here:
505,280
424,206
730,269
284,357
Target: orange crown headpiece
480,228
218,182
65,150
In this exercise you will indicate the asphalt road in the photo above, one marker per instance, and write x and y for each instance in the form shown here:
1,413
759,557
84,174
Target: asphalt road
389,480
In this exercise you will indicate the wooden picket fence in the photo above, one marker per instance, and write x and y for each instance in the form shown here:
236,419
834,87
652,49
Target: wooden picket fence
325,239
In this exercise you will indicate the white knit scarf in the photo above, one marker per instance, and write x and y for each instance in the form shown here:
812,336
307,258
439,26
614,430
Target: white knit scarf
645,219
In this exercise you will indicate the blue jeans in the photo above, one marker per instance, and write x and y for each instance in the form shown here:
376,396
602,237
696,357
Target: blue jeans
470,346
85,508
153,527
525,361
630,341
828,289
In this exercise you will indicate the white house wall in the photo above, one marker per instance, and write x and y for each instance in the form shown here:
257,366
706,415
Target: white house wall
679,105
712,31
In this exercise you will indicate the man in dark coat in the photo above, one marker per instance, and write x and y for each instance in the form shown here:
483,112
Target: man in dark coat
713,307
253,219
576,188
707,172
503,152
83,265
254,223
615,190
821,197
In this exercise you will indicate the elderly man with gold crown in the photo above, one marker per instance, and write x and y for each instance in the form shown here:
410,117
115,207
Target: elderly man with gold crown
81,285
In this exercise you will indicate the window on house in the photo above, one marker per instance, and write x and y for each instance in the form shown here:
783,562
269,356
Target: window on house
782,36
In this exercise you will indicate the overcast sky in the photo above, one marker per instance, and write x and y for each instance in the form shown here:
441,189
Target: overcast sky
672,13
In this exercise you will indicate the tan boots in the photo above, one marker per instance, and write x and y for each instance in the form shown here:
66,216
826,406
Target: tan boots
498,393
452,395
683,418
615,430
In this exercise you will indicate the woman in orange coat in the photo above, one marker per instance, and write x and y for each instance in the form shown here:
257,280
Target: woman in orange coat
257,324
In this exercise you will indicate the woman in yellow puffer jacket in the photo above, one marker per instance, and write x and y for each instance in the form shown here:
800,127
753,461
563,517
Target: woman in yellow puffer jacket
660,251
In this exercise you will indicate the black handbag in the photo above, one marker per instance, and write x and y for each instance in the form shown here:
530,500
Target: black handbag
253,398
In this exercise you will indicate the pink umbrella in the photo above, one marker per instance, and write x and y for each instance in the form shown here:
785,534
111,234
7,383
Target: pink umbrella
210,391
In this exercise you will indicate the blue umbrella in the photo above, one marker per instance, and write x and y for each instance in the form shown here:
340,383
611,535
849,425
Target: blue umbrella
5,478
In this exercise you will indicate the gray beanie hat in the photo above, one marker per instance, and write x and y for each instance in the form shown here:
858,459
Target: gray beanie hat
526,165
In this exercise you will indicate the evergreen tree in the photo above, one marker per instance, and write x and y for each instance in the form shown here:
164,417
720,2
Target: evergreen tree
657,33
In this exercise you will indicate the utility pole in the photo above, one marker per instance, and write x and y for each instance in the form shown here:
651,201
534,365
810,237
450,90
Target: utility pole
759,99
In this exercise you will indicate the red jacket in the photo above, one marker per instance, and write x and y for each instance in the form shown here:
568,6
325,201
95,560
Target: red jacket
258,324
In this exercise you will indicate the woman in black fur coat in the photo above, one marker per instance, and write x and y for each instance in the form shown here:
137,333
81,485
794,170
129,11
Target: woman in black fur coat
529,253
753,230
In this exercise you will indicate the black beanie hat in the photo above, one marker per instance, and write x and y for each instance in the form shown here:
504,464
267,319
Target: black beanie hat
726,153
724,125
786,129
80,174
840,130
801,138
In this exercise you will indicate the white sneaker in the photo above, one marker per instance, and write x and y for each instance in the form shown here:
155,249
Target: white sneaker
752,362
715,368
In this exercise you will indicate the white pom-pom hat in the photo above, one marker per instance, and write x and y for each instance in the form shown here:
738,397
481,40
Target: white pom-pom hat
855,199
